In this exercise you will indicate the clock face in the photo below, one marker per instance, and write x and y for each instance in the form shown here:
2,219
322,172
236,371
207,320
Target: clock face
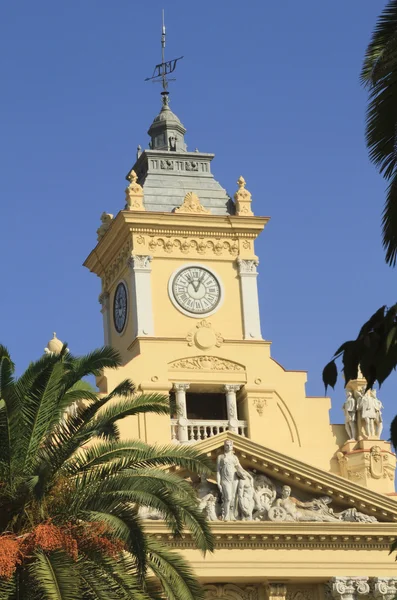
120,307
196,290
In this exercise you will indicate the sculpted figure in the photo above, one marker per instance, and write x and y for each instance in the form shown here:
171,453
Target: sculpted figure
353,515
245,493
314,510
350,410
228,473
207,499
371,407
264,496
208,505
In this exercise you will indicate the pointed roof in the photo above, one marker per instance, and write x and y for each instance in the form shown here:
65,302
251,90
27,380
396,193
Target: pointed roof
167,171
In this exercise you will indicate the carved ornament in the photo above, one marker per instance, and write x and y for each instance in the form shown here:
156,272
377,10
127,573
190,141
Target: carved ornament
260,404
199,245
192,205
106,219
243,199
385,588
117,265
348,588
103,299
301,594
247,267
138,262
203,336
134,193
229,591
204,363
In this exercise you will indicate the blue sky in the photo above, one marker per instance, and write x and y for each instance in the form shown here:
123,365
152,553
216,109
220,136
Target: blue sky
271,87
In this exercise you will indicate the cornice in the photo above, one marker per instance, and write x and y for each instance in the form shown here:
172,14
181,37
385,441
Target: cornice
304,476
128,224
266,535
178,221
182,340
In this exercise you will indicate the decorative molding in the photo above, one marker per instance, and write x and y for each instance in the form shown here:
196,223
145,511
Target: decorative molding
301,594
285,538
203,336
204,363
385,588
140,262
192,205
106,219
200,245
134,193
181,387
229,591
103,300
243,199
348,588
166,164
246,267
276,591
117,265
231,388
260,404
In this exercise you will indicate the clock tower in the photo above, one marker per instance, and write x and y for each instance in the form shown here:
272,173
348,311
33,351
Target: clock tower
302,512
179,291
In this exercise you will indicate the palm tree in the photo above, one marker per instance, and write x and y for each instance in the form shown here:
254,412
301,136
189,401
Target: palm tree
379,75
70,489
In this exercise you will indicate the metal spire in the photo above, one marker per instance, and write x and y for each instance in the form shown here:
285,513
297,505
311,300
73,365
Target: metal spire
162,70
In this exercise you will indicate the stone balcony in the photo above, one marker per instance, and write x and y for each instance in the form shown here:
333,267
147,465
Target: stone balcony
195,430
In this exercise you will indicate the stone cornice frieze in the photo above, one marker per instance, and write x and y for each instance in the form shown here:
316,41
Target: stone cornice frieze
256,534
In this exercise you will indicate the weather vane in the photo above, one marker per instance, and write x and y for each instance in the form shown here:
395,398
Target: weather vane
162,70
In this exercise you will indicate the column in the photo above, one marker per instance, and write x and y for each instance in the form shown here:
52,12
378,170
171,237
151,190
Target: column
385,588
180,401
276,591
249,298
349,588
105,310
141,287
231,405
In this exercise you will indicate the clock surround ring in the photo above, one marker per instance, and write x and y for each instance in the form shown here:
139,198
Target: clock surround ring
193,315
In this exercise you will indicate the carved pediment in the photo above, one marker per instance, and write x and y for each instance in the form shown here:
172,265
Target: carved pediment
204,363
331,498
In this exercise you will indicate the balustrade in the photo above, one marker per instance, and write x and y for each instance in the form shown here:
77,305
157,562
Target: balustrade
203,429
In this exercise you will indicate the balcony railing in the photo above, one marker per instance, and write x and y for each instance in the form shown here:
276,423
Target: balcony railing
201,430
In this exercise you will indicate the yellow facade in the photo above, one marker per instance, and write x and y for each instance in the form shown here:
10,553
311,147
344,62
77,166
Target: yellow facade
278,431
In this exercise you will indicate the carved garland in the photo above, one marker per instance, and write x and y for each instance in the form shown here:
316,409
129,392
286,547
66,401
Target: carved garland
230,591
185,245
204,363
117,265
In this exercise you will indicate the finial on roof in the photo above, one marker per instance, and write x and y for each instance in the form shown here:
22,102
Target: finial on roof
243,199
134,193
54,346
163,69
106,220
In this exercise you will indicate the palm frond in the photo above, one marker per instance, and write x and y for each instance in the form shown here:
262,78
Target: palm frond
379,75
140,454
92,363
175,575
55,576
7,588
117,410
125,525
